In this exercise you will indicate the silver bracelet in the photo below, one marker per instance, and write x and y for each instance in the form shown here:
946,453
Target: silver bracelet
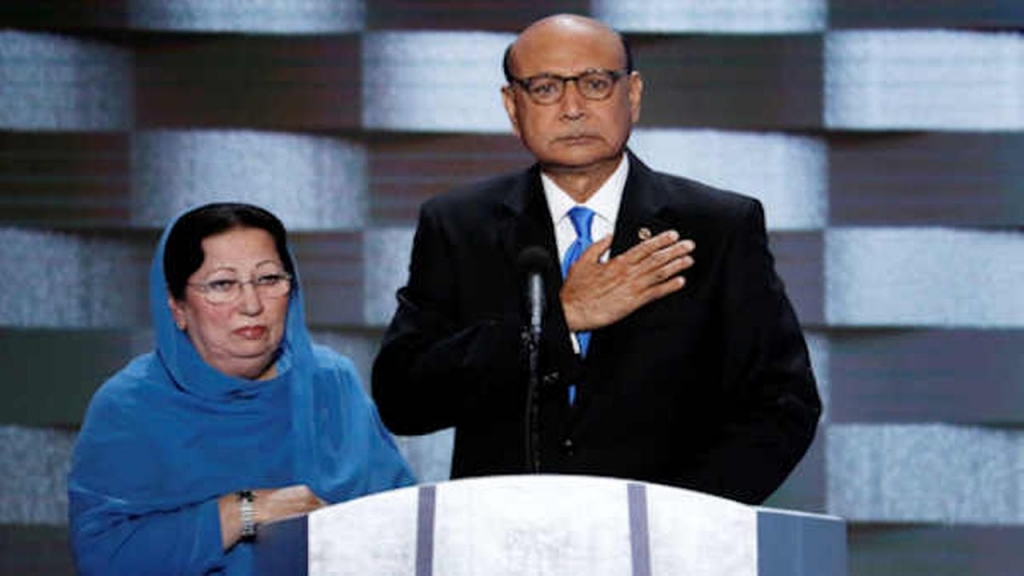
245,500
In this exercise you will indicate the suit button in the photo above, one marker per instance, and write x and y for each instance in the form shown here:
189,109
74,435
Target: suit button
568,449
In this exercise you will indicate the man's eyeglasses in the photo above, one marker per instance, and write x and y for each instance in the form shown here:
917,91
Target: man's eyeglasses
226,290
547,89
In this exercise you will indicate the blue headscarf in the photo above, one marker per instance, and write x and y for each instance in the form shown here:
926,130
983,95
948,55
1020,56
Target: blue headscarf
168,434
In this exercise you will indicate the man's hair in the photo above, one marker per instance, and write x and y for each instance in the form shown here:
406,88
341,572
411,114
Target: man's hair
506,60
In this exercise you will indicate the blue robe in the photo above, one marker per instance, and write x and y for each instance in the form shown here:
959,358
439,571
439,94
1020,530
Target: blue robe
168,434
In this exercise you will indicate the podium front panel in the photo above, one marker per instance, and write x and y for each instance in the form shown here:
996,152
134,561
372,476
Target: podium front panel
551,525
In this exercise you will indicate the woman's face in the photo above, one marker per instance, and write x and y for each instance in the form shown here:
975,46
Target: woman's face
239,337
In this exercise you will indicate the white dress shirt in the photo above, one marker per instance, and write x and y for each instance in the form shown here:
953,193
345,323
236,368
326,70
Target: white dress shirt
605,204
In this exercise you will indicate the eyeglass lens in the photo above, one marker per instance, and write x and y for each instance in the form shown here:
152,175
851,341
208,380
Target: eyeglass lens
222,290
594,85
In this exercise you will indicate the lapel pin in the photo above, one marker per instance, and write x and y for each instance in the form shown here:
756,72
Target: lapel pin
644,233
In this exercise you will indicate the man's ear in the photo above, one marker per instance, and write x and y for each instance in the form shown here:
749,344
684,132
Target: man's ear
508,98
177,312
636,94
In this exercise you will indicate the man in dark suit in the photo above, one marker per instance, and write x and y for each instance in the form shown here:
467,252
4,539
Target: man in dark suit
670,351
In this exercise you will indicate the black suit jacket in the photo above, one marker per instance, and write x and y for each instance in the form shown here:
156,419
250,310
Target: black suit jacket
709,388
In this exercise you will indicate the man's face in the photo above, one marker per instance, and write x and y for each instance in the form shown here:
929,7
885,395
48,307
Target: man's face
574,134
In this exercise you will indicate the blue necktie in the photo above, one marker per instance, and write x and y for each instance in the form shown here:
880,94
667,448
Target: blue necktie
581,219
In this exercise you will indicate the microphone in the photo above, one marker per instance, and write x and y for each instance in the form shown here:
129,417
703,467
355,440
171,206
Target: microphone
534,261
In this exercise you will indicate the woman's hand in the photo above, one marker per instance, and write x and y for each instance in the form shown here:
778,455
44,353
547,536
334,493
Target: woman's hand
277,503
268,505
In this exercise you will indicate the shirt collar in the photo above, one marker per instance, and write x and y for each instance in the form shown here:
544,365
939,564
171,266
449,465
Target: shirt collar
605,202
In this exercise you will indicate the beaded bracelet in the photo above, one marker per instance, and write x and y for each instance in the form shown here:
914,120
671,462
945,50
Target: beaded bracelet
245,500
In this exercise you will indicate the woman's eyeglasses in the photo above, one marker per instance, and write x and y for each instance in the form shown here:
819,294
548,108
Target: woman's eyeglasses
226,290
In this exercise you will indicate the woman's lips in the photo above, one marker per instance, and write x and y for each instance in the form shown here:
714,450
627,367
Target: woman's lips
252,332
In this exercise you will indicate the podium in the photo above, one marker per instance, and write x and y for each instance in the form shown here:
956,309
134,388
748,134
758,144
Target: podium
547,525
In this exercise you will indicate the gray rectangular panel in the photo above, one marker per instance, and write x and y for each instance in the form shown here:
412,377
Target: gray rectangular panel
965,376
731,81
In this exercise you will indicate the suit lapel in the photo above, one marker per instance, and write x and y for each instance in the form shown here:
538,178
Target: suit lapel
526,221
639,218
642,200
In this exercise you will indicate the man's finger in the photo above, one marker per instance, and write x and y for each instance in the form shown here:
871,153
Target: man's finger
662,289
659,258
594,251
644,249
667,271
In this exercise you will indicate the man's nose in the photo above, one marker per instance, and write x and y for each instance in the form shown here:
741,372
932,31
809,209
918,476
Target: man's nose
572,101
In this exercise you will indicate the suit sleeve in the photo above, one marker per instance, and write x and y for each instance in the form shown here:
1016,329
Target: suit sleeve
771,397
435,367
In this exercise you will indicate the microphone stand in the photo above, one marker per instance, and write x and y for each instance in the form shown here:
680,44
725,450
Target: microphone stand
534,261
531,342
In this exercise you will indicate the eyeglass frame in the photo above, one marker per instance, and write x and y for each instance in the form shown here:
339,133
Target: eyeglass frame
205,288
524,83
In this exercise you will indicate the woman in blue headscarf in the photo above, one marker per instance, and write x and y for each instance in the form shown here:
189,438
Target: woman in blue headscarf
235,419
